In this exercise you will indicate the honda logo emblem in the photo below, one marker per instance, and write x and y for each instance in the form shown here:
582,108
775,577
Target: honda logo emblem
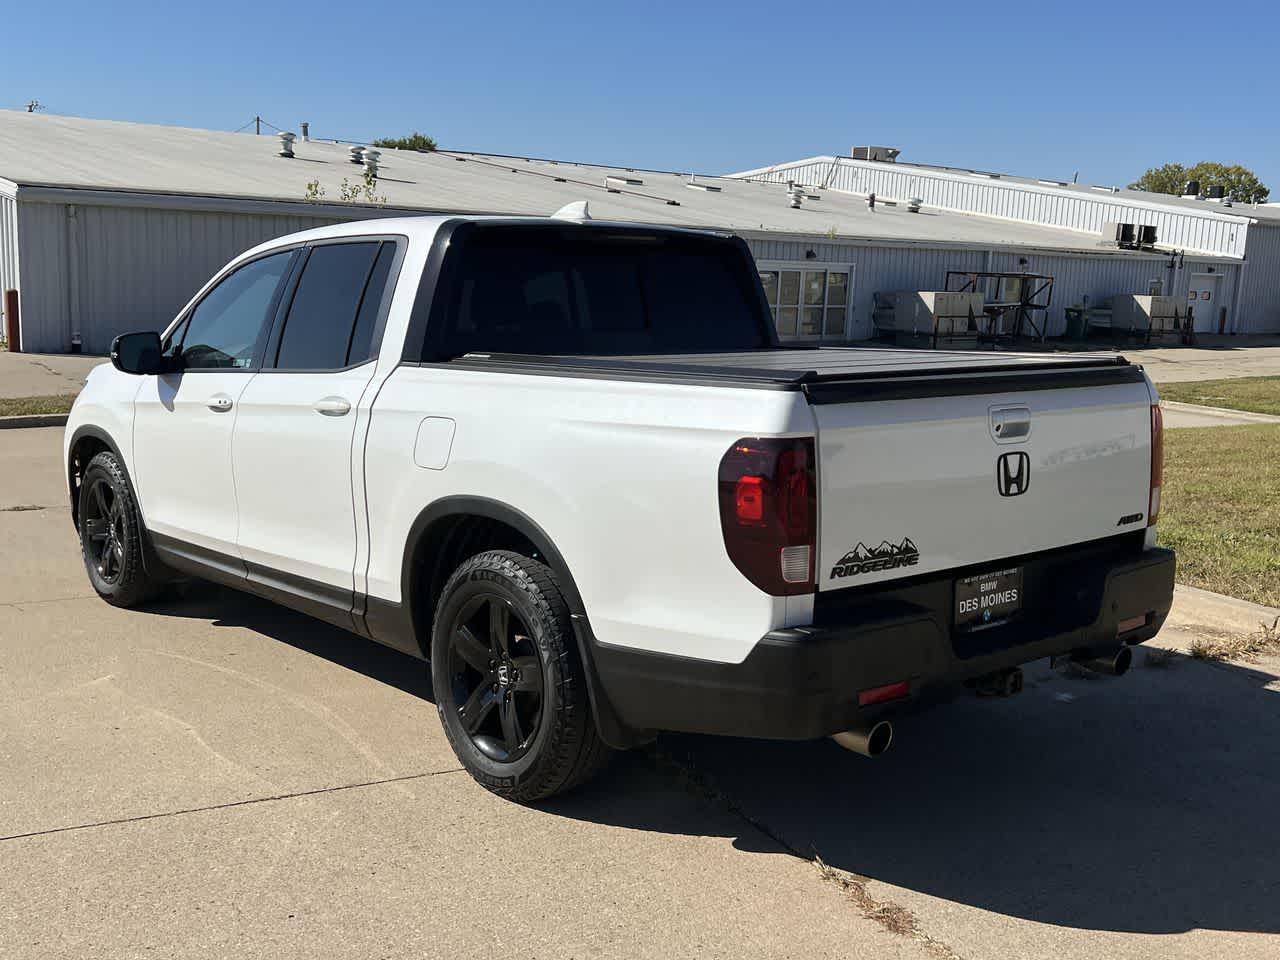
1013,474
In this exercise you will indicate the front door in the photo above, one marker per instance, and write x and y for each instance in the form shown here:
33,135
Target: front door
183,420
1202,300
296,427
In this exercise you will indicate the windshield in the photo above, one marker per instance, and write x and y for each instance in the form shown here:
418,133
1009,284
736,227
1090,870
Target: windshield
595,291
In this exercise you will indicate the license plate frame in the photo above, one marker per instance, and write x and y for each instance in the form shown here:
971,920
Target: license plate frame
983,600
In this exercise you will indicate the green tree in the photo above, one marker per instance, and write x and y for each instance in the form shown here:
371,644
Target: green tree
1170,178
415,141
1239,183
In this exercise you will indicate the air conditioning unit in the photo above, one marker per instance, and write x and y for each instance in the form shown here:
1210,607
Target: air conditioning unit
883,154
1147,236
1123,235
918,311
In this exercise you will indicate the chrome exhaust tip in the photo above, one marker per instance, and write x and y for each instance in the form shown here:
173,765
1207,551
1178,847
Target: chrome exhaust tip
1114,663
870,741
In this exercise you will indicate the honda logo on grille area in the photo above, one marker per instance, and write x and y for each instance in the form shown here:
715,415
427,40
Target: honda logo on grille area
1013,474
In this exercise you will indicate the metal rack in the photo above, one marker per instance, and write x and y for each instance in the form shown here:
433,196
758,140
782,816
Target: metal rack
1023,311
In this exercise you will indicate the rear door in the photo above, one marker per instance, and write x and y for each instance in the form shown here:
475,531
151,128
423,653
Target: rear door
183,420
913,486
296,424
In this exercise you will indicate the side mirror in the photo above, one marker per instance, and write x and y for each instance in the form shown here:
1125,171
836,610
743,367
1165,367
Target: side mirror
137,353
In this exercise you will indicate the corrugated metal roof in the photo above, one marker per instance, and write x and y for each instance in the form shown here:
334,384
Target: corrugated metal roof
41,150
1263,212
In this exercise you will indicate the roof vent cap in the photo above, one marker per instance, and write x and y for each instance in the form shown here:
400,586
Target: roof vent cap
371,161
914,204
357,154
286,143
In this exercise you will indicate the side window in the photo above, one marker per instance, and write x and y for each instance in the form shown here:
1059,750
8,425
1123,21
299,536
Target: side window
361,348
224,327
330,322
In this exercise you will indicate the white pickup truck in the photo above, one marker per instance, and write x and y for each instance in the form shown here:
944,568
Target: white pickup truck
570,464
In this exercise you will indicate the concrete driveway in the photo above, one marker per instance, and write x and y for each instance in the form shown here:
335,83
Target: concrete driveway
217,776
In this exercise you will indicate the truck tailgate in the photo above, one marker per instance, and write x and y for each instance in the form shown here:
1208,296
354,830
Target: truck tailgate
910,486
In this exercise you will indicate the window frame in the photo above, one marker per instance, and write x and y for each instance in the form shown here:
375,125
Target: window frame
801,266
271,347
436,287
180,327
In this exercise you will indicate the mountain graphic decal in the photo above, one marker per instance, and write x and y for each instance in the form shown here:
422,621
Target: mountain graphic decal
862,553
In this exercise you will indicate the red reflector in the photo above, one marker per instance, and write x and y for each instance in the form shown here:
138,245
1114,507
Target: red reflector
890,691
749,500
1133,623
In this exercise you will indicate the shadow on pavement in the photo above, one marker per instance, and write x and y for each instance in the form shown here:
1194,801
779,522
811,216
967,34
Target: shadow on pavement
226,607
1147,804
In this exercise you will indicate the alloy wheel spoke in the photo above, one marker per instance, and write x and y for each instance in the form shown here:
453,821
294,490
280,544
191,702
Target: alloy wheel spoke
512,735
530,675
104,509
475,653
499,627
478,706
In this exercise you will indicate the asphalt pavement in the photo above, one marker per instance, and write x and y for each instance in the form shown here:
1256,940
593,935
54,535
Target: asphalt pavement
216,776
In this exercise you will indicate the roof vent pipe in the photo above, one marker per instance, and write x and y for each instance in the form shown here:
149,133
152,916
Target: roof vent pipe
306,131
371,161
794,194
871,201
357,154
914,204
286,144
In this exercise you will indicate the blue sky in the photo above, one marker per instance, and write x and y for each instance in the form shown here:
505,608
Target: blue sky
1043,90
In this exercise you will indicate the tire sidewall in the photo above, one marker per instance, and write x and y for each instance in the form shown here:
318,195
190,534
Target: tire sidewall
491,578
106,467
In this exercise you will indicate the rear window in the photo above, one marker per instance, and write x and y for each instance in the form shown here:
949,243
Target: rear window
592,291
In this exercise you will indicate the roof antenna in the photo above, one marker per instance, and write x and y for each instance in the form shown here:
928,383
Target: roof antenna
34,105
576,211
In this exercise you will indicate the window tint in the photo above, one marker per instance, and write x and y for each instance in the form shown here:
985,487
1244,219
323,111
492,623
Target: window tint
591,291
322,318
361,348
225,326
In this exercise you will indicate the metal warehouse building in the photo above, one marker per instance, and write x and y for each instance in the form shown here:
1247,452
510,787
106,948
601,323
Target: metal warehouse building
107,226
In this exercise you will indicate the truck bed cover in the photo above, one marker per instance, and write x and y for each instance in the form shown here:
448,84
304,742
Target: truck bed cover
836,374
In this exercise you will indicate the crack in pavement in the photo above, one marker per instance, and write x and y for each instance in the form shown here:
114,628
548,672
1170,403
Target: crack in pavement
890,916
24,603
234,803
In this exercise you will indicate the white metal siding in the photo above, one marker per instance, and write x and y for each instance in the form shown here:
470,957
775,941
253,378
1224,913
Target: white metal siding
1018,201
42,277
101,271
1260,286
8,243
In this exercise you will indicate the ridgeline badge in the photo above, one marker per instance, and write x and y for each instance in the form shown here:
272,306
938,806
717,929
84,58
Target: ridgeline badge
887,556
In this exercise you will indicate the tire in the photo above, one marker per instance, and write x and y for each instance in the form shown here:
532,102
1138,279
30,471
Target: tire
509,682
111,534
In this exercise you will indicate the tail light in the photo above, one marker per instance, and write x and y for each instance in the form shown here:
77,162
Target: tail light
1157,463
768,512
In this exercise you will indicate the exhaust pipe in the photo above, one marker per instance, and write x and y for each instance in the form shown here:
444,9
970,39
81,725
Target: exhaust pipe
1113,663
870,740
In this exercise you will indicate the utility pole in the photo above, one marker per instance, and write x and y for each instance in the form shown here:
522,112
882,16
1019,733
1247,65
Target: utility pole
257,126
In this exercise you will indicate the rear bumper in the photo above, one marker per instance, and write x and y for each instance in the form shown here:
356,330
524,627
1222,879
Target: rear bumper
803,682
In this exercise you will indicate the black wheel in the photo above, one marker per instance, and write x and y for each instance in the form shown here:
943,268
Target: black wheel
508,679
111,533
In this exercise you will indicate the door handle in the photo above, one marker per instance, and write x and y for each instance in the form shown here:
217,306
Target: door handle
332,407
220,403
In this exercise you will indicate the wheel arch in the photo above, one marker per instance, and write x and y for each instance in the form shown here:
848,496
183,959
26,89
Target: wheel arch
87,442
418,607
